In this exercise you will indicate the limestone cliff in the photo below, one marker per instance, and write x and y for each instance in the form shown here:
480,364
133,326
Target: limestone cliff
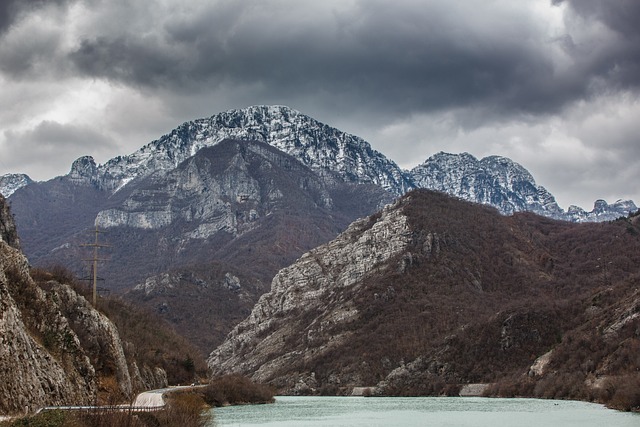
268,343
41,360
56,349
8,232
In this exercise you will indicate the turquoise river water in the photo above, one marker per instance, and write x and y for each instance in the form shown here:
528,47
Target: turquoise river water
421,411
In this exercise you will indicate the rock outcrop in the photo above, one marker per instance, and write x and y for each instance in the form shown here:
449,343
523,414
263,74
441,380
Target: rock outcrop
268,343
56,349
8,232
41,359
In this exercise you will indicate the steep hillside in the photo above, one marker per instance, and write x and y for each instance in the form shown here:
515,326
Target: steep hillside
56,348
430,294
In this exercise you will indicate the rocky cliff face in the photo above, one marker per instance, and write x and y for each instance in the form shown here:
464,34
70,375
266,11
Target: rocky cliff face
433,293
226,189
268,343
8,232
56,349
40,358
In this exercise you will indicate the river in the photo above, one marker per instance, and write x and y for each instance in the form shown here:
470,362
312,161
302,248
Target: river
421,411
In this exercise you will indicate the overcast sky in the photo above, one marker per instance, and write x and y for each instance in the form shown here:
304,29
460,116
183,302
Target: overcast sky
553,85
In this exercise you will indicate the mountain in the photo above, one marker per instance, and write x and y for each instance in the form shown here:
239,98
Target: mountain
11,182
504,184
194,217
495,181
433,293
200,242
316,145
602,211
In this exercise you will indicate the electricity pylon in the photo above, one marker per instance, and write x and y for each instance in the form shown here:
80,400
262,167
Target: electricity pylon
94,261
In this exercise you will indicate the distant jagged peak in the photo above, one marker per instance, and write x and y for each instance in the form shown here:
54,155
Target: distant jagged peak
602,211
508,167
467,161
492,180
12,182
506,185
84,166
460,165
444,156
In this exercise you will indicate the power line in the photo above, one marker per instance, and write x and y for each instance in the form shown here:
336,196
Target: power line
97,245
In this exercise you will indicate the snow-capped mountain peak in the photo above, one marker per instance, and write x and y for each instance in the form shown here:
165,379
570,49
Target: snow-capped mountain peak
315,144
493,180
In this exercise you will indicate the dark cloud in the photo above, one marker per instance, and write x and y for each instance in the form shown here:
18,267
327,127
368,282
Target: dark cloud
7,14
620,16
51,143
31,38
13,10
394,57
616,57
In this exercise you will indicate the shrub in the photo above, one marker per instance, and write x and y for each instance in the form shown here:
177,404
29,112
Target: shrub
44,419
236,389
625,393
184,410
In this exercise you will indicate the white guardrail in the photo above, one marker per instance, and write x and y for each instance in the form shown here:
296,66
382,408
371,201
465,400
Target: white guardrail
103,408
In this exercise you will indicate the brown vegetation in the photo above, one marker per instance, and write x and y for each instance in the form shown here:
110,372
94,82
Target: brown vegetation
236,389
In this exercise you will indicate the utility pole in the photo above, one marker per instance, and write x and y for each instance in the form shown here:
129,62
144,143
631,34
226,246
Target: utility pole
94,261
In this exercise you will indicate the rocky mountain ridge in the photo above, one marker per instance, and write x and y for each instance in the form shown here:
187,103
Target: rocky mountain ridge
506,185
494,180
315,144
261,344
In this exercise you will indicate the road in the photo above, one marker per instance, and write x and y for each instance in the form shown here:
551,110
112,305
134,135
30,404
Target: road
154,398
146,401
